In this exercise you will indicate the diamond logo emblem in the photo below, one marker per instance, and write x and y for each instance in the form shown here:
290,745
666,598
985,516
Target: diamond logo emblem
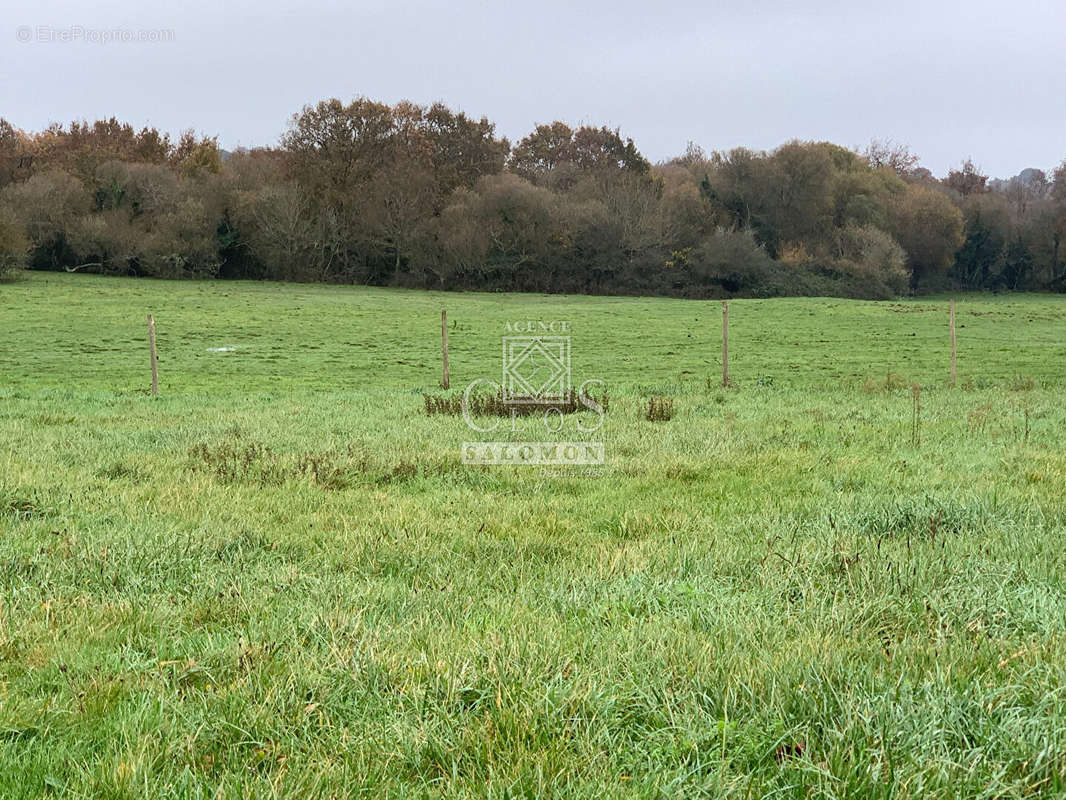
536,368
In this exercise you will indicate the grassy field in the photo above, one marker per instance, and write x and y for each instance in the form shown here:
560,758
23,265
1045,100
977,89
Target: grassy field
277,579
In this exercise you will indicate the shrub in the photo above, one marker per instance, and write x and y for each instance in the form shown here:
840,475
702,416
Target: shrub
730,262
48,206
660,409
495,405
871,253
890,383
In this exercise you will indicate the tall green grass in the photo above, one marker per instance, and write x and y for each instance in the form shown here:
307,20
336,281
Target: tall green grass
278,580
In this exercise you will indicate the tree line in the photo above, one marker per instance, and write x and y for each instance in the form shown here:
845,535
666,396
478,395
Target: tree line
424,196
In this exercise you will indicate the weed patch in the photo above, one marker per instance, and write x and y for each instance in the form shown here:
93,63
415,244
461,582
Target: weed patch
890,383
660,409
495,405
23,506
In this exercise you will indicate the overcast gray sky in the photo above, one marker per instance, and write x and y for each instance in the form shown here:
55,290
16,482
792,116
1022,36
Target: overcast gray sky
951,79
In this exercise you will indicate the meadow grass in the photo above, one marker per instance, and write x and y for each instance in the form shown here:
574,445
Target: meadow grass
277,579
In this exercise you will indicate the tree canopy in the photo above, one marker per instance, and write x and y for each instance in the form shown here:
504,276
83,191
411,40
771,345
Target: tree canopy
403,194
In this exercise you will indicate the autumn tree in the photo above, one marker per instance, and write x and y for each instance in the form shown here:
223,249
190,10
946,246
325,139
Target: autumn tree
276,227
967,180
870,254
541,155
14,244
48,205
795,197
418,195
1058,186
193,154
16,154
604,149
462,149
886,154
694,159
509,230
336,148
398,204
147,221
82,146
987,229
799,201
726,262
686,216
929,228
556,156
737,183
384,172
1058,199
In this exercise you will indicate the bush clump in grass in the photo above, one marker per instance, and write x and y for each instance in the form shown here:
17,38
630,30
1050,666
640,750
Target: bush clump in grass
494,405
22,507
121,470
926,517
251,463
890,383
239,462
254,463
660,409
1021,383
321,469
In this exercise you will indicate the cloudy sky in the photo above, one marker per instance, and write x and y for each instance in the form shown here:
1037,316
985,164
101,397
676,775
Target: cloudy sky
981,78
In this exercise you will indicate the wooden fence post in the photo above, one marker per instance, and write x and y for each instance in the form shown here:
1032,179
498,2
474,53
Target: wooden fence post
952,315
152,356
445,380
725,343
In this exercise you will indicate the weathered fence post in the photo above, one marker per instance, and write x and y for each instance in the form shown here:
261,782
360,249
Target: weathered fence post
152,356
445,380
952,315
725,343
